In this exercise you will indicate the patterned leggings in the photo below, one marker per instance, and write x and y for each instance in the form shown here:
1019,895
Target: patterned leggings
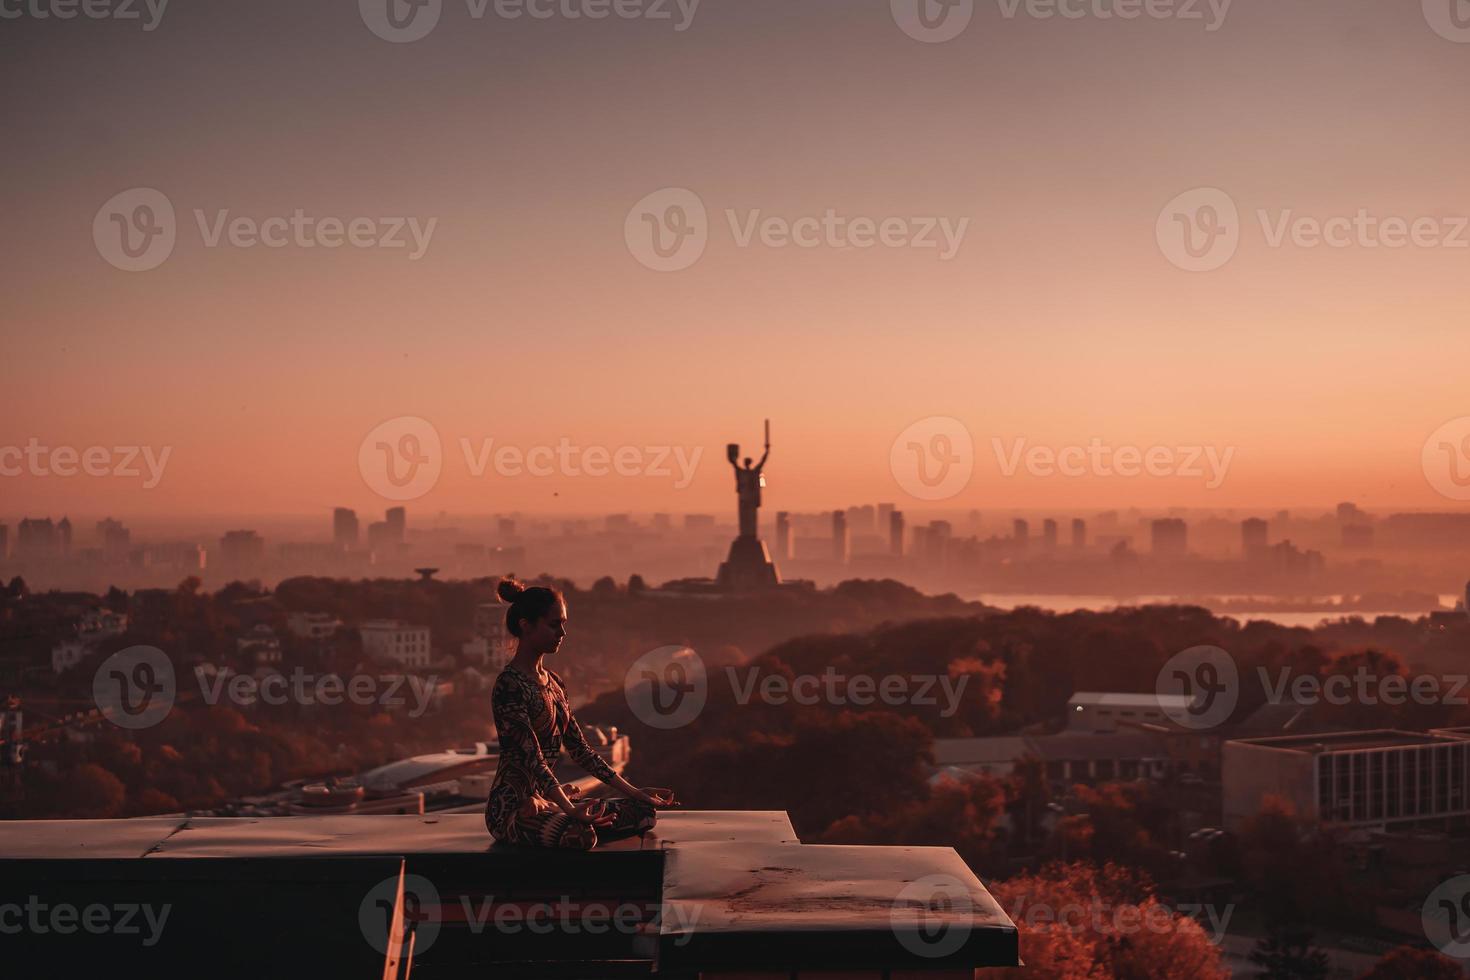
555,829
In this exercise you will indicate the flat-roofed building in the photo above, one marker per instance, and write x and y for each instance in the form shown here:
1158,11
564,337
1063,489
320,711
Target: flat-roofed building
1092,712
1370,779
388,641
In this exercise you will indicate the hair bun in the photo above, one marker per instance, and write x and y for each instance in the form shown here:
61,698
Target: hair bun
509,590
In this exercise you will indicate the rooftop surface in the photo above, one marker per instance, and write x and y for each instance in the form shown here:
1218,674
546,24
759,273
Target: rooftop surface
1113,699
1317,743
380,895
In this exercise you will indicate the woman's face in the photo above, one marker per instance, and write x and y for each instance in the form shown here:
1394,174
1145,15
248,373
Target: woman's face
545,634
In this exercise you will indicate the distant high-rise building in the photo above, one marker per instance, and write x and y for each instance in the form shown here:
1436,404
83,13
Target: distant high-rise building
241,548
36,537
1021,533
919,543
931,543
1288,558
4,541
344,528
114,539
397,520
860,520
895,533
1169,537
783,536
618,522
1079,533
1357,537
1350,514
663,522
505,527
382,539
1253,537
840,542
885,517
699,522
63,535
1049,534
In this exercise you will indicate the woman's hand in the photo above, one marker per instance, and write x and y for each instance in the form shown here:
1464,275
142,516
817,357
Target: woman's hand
591,812
658,797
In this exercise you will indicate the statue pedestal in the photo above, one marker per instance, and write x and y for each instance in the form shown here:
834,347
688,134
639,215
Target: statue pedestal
749,567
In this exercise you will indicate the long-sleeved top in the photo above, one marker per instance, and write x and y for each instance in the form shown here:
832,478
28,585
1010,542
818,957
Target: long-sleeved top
534,721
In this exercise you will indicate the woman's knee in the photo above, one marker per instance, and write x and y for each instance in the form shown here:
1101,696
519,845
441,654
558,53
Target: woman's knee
580,838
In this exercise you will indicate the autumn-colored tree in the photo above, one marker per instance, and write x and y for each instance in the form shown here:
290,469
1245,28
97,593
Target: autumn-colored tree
1410,963
824,769
1123,822
1079,921
1296,869
150,801
90,792
961,815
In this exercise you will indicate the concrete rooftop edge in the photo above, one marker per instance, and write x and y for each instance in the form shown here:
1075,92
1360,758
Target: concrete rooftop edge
733,889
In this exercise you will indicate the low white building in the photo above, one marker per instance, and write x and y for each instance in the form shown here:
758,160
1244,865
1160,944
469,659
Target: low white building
260,645
1096,713
94,626
388,641
313,626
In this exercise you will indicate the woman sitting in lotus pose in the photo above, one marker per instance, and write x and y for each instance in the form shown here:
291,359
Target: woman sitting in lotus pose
527,805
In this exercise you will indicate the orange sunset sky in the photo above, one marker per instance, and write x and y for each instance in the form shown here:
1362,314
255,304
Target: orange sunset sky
528,319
